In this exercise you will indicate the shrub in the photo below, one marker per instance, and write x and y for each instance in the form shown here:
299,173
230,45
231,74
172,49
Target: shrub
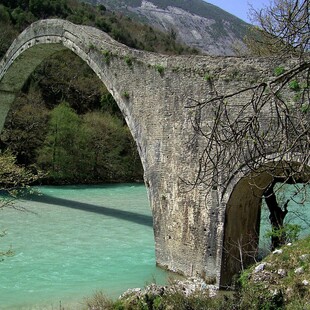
99,301
294,85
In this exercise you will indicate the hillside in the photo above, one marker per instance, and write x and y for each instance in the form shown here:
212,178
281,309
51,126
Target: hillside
64,85
194,22
17,15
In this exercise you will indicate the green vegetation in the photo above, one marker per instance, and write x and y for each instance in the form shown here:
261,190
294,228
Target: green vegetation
79,144
13,177
14,181
126,95
208,77
305,108
107,57
18,14
67,124
284,281
160,69
280,281
129,61
294,85
278,71
94,147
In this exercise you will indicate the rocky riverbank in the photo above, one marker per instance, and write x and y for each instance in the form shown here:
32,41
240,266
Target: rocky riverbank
280,281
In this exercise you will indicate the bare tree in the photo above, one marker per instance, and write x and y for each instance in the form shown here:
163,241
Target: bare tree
268,134
282,27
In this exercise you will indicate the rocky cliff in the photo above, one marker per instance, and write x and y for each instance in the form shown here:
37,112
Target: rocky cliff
194,22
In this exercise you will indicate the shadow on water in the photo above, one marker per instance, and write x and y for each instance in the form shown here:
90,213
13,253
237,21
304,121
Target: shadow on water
121,214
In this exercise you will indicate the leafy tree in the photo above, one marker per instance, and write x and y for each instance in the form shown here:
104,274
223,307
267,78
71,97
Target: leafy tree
94,147
14,181
59,151
8,33
104,134
46,8
110,149
13,176
65,77
25,128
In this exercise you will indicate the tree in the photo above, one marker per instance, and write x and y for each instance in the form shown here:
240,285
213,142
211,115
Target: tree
258,137
59,152
14,181
111,153
283,27
25,128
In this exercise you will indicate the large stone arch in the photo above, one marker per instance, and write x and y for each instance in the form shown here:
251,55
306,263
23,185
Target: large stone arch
243,200
153,92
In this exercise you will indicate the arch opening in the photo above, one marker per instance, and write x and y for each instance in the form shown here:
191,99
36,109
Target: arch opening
243,214
30,50
71,126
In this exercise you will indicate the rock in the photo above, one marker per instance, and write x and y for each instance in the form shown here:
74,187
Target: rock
260,267
214,35
299,270
305,282
277,251
281,272
213,292
304,257
186,287
130,292
263,276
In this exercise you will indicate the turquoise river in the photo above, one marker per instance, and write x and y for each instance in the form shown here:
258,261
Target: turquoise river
71,241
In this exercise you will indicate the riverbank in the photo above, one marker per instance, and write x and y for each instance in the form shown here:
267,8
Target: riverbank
280,281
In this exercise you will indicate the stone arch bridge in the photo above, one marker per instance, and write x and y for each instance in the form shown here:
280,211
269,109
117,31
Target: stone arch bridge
153,92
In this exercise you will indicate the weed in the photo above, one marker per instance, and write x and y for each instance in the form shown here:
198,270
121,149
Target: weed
99,301
294,85
160,69
129,61
91,46
107,57
126,95
278,71
305,107
208,77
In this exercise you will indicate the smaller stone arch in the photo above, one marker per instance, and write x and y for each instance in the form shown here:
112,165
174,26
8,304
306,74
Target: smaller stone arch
243,200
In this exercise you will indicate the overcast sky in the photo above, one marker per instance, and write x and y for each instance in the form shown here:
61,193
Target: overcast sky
239,8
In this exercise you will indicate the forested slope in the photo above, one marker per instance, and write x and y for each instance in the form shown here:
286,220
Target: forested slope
64,121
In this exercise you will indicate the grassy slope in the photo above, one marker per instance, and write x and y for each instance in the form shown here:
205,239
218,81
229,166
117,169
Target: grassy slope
284,279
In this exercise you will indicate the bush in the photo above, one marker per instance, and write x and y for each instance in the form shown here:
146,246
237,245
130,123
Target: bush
99,301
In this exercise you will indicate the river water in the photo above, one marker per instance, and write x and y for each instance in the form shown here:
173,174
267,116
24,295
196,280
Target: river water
73,240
